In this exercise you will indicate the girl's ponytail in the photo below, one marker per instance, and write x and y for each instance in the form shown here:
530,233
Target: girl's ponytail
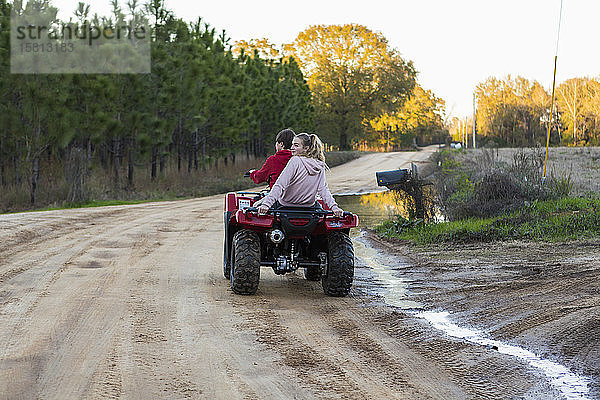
315,149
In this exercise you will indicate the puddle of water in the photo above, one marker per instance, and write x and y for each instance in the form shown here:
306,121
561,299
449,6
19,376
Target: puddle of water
395,291
393,288
371,208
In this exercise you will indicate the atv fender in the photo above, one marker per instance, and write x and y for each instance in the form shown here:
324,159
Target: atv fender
249,219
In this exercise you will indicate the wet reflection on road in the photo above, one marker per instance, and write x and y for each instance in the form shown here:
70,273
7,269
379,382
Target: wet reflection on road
570,385
383,279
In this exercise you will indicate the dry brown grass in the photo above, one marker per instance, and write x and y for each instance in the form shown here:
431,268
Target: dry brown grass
170,183
488,182
100,186
582,164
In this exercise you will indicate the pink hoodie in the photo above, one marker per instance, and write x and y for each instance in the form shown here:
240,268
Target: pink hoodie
299,183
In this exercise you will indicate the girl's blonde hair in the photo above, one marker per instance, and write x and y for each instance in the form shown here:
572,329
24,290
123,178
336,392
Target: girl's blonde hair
315,149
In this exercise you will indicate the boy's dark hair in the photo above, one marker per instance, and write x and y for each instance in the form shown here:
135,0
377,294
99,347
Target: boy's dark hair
286,136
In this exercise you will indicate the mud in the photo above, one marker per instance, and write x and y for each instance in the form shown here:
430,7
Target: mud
130,302
542,297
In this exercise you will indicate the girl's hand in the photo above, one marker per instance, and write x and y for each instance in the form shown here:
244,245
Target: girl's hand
338,212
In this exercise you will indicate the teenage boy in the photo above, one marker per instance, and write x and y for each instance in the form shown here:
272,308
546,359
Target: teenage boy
276,163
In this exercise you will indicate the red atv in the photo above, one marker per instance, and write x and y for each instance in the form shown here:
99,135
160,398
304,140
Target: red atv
285,239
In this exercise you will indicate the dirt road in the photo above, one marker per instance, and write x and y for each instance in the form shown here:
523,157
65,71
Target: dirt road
130,302
358,176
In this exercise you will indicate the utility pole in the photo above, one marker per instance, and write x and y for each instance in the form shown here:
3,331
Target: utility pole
466,133
552,99
474,113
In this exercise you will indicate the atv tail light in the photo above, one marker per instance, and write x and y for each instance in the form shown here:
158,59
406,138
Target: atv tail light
299,221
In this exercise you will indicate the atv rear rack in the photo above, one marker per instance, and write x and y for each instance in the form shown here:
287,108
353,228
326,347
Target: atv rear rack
302,211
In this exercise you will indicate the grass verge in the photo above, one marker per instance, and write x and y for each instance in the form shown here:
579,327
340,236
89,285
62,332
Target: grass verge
567,218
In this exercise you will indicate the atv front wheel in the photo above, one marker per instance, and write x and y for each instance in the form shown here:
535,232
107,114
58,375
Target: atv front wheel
226,247
245,262
340,267
226,264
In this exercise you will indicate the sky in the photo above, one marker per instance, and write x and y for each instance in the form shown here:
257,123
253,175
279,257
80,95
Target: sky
454,44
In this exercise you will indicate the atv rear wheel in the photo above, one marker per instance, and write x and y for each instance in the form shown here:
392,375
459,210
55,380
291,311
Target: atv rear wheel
312,273
245,262
340,269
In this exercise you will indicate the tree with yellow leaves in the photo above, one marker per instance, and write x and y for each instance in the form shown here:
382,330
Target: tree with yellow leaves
420,116
263,47
354,76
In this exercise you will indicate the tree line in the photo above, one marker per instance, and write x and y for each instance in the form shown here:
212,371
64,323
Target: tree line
364,92
199,104
516,112
205,100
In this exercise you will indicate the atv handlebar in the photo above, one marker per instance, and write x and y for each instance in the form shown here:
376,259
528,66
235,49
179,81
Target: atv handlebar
247,174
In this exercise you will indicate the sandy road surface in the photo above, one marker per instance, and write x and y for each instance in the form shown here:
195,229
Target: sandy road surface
358,176
130,302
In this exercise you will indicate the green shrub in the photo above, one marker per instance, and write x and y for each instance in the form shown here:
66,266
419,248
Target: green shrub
483,199
549,220
483,186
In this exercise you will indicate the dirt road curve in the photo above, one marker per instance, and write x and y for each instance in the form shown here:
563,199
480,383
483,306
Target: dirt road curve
359,175
130,302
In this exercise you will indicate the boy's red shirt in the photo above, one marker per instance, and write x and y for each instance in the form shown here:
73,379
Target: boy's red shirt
272,168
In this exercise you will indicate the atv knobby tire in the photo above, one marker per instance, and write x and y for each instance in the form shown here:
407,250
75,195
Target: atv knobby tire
312,273
226,265
245,262
340,269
